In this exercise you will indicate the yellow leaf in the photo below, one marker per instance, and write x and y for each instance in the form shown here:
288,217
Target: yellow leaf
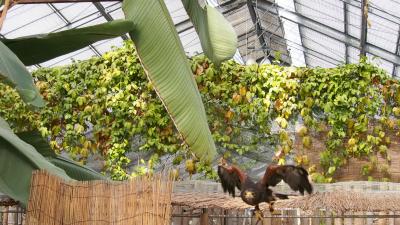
243,91
229,114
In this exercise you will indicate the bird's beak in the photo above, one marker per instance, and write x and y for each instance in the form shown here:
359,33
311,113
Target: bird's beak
249,194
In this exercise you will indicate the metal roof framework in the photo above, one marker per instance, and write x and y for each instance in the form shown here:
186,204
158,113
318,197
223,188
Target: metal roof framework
309,33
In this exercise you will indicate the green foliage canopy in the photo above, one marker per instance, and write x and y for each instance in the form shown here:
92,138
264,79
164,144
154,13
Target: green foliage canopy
112,97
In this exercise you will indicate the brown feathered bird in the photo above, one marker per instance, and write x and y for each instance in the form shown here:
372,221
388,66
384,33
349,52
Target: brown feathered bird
253,193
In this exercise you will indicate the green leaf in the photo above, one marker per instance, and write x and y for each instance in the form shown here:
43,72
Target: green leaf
39,48
331,170
17,162
217,36
166,65
73,169
14,73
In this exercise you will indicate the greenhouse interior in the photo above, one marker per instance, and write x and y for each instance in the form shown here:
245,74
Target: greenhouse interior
199,112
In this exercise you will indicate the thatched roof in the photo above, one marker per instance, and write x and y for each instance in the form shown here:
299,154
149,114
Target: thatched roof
338,201
6,201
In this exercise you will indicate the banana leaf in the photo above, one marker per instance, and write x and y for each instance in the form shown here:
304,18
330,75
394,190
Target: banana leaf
217,36
14,73
18,160
39,48
73,169
167,67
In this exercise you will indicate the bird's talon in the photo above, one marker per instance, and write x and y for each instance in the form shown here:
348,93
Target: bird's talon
258,215
277,213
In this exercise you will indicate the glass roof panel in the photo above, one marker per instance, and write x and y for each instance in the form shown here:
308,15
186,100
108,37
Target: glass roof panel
315,60
93,20
323,44
117,14
279,25
382,33
329,13
241,21
30,20
389,7
76,11
107,4
104,46
294,42
191,42
384,64
292,36
397,72
354,20
354,54
178,13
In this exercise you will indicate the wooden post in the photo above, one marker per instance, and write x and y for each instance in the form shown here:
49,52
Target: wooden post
316,221
204,217
5,215
305,220
358,221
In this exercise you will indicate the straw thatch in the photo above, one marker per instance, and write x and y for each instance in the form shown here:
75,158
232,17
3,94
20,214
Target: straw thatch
145,200
338,201
345,201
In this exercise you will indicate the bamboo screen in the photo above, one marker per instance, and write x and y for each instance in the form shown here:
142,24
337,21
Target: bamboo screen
144,200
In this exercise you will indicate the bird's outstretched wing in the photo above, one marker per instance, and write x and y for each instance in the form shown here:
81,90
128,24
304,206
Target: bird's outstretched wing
231,177
295,176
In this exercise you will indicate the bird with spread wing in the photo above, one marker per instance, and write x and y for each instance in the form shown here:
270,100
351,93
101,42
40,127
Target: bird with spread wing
254,193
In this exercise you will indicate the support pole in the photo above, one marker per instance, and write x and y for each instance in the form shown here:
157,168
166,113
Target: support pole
364,27
204,217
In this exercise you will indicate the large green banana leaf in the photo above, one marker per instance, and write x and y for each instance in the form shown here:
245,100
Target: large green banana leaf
14,73
39,48
17,162
73,169
167,67
217,36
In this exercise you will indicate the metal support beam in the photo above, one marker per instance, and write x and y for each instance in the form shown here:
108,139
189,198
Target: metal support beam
259,30
300,33
257,25
331,32
95,50
364,27
302,48
396,68
107,16
59,14
346,30
183,26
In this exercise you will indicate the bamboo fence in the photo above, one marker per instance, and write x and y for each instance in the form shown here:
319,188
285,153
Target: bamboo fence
140,201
